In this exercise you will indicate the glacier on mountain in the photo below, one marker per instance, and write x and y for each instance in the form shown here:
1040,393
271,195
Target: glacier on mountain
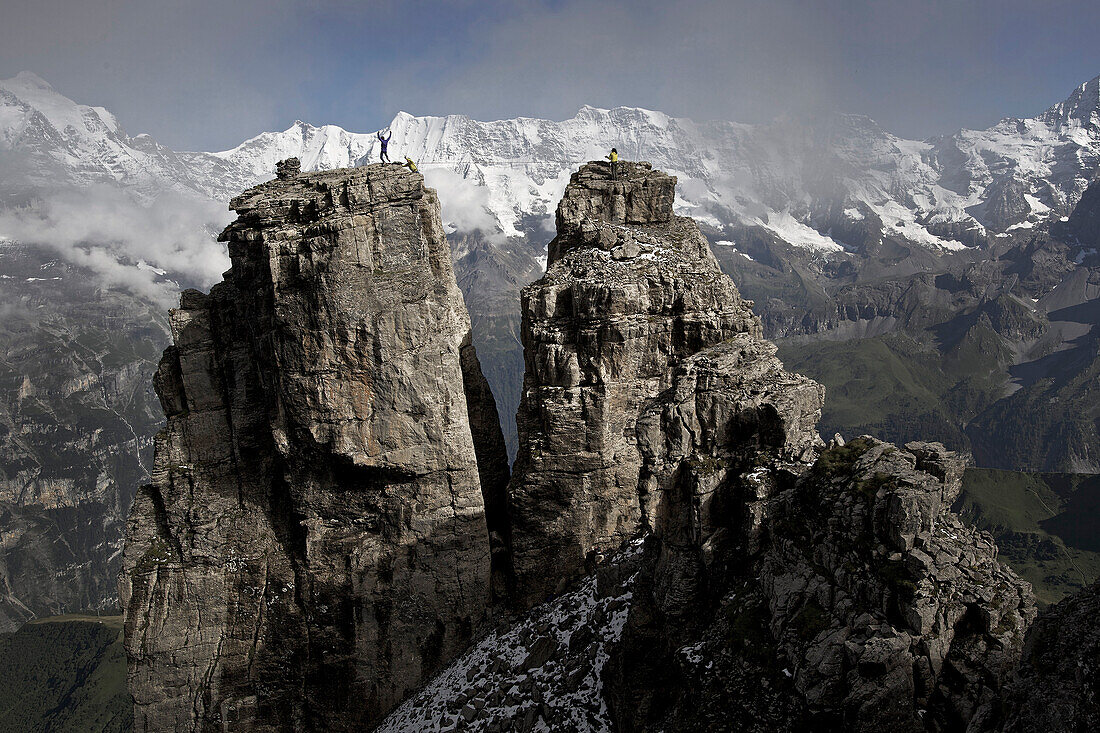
503,177
772,175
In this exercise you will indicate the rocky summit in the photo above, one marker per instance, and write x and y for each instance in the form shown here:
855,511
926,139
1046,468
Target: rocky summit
631,291
315,542
738,574
654,407
331,540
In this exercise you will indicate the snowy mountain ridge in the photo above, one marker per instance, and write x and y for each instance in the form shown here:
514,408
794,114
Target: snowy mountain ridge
799,181
49,141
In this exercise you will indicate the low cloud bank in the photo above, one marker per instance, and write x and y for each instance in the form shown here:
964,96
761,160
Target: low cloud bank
125,243
464,203
104,230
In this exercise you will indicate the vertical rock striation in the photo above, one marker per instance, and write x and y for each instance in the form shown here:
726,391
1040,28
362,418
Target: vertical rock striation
313,544
631,291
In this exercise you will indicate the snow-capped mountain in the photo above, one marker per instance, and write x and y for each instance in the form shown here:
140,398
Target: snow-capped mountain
798,180
49,141
782,176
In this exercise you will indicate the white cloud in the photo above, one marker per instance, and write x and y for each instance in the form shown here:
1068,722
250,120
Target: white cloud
465,204
104,230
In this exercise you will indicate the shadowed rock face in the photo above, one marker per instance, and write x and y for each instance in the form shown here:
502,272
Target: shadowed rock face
1005,204
631,291
842,596
1084,222
1057,685
314,543
893,613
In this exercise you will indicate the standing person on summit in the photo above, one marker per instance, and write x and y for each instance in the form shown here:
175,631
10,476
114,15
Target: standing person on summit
385,156
613,156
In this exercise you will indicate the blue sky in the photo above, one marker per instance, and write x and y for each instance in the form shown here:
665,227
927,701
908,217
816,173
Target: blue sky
206,75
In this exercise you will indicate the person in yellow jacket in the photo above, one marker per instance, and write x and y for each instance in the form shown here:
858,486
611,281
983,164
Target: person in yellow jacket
613,156
410,164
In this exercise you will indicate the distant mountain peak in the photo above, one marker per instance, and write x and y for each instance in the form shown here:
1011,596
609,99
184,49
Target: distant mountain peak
28,79
1081,106
770,175
32,92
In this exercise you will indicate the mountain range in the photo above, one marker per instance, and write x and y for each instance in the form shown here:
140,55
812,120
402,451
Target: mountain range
781,176
943,288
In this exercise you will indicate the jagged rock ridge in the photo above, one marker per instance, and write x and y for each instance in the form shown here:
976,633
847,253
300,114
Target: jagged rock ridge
630,292
314,542
326,499
782,584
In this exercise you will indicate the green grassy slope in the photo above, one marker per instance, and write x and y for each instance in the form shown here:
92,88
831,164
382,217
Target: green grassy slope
890,387
65,674
1047,525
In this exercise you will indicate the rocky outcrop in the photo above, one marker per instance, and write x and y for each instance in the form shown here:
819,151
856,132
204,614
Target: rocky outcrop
840,596
314,542
1057,685
630,292
782,584
1005,204
731,408
329,492
893,613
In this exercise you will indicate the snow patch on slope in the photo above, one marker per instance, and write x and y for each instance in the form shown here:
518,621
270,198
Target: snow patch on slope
542,674
798,234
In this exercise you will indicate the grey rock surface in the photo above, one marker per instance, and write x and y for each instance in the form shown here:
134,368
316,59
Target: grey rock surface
313,544
847,597
1005,204
328,521
1057,685
653,406
631,291
893,613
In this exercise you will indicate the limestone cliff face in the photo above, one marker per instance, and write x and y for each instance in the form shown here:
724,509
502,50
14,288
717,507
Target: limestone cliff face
314,542
328,522
630,292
